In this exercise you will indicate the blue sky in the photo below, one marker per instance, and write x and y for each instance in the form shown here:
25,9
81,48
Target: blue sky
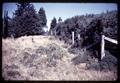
65,10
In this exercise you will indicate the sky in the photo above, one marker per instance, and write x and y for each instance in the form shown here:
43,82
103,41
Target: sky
65,10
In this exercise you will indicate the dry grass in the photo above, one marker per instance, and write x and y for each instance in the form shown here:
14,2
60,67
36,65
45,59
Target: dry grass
44,58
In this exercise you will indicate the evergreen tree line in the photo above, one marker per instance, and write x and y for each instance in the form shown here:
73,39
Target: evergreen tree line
25,21
90,27
86,25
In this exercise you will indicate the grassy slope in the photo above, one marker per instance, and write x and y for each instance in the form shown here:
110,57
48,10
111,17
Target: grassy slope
44,58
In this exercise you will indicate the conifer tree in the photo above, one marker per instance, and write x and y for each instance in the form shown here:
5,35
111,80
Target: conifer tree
5,24
53,23
42,17
60,19
25,20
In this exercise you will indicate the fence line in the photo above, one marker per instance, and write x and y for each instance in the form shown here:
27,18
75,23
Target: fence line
12,36
111,40
78,36
91,45
73,38
102,47
51,32
103,44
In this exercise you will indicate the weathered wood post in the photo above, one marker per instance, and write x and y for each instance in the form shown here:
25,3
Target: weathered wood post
51,32
12,36
32,40
103,44
78,36
72,38
102,47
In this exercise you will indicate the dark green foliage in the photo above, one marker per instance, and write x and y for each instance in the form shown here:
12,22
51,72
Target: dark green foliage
53,25
60,19
107,63
3,27
42,17
94,32
90,27
25,21
7,30
5,24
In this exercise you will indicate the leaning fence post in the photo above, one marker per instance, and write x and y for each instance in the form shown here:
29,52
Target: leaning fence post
102,47
73,38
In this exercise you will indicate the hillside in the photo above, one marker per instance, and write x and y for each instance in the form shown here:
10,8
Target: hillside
48,58
90,27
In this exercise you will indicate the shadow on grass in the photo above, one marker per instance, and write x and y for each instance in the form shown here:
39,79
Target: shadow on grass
108,63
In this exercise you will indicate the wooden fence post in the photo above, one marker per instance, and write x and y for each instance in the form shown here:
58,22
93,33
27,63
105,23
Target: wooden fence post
103,44
51,32
55,32
73,38
12,36
102,47
78,36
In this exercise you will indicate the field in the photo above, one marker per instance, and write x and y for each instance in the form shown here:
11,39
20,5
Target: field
48,58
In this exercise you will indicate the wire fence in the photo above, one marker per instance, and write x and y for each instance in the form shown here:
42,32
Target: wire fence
102,43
